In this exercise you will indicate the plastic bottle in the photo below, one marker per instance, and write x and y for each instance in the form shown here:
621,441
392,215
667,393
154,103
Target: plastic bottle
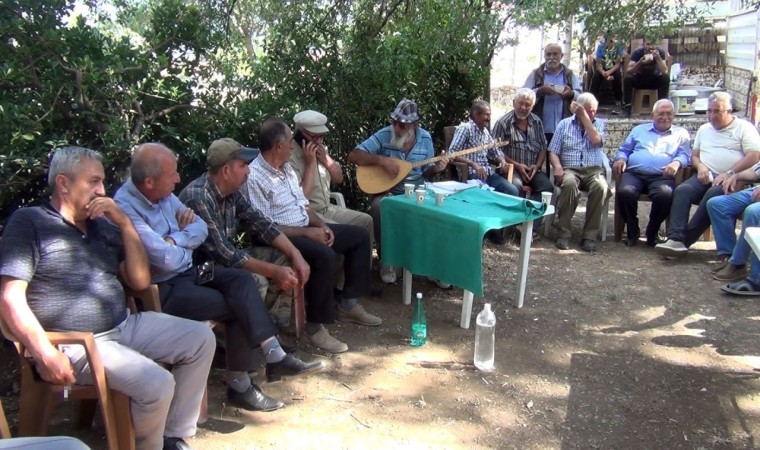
419,324
484,339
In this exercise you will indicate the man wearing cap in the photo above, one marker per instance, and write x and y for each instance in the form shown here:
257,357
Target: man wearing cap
318,172
170,232
405,140
273,187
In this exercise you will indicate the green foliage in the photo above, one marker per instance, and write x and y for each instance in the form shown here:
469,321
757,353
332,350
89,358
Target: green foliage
185,72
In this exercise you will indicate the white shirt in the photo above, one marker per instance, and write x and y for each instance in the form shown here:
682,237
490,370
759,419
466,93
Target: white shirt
277,193
720,149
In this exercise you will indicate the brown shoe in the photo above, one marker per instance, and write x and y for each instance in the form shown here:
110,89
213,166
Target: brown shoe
722,264
357,314
731,273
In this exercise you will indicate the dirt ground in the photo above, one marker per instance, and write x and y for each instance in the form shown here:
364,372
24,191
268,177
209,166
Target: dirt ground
617,349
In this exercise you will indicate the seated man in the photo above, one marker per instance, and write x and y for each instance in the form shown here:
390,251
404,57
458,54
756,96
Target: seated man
723,146
526,149
170,232
608,63
405,140
60,265
648,160
647,69
273,188
474,133
724,210
578,161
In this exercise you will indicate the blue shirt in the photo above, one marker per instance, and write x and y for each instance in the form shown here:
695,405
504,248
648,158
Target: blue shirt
380,144
647,150
553,104
154,222
574,148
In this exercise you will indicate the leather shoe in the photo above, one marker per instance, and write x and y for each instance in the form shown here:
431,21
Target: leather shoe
253,399
291,367
588,245
173,443
631,242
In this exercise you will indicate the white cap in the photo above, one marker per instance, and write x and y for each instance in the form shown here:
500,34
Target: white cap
311,121
419,295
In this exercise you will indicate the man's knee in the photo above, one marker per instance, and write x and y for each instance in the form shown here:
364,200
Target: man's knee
627,193
752,215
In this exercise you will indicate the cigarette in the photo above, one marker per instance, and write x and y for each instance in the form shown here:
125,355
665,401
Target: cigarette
66,390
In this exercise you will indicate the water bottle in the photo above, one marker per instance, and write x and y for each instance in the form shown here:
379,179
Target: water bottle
419,324
485,326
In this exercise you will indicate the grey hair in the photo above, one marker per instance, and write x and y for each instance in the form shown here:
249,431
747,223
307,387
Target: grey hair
66,161
587,99
525,94
722,97
478,106
144,167
663,101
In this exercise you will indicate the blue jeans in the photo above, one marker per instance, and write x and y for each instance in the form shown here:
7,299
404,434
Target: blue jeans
724,210
500,184
690,192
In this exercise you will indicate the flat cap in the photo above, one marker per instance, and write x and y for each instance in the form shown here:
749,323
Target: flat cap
311,121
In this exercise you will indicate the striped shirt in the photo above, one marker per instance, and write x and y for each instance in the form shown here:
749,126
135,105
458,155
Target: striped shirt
468,135
277,193
523,148
574,148
224,216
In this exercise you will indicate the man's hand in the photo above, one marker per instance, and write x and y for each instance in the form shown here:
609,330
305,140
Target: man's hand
671,169
309,152
532,171
301,268
440,165
703,174
756,194
321,153
285,277
522,170
389,165
577,109
55,367
618,166
730,183
106,207
545,90
323,235
480,171
185,217
720,179
559,173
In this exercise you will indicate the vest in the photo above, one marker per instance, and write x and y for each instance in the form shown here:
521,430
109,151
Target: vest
538,80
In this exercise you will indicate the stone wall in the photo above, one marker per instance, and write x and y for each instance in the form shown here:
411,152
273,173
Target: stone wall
737,84
618,130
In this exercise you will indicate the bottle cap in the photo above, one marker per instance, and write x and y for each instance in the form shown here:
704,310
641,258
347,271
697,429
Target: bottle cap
419,295
488,306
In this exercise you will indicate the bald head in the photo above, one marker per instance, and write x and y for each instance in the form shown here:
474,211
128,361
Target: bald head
147,161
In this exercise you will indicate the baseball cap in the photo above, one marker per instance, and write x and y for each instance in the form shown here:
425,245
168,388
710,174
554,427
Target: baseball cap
224,150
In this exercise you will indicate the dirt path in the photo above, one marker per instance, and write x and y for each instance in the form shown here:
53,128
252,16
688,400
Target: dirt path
617,349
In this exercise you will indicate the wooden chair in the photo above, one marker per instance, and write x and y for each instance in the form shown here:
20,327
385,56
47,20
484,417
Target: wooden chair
39,398
53,442
619,223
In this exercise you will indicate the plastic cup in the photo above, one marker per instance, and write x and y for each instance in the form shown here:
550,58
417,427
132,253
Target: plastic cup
439,198
546,197
420,196
408,190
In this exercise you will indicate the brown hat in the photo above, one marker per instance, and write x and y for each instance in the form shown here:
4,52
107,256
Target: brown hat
225,150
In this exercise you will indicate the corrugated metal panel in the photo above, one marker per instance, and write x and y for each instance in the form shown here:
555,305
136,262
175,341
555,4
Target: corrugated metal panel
741,39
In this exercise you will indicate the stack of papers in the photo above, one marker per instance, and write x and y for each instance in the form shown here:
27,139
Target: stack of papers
450,187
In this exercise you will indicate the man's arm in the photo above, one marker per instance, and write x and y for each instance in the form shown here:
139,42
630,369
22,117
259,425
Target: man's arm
363,158
52,365
621,158
592,134
317,230
304,166
332,166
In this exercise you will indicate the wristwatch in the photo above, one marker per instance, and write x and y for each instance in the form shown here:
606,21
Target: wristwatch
730,172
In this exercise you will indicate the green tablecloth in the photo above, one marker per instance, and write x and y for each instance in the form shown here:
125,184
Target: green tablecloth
445,242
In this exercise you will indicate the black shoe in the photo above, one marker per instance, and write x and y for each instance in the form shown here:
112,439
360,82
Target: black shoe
287,342
562,244
631,242
292,367
172,443
588,245
496,236
253,399
375,291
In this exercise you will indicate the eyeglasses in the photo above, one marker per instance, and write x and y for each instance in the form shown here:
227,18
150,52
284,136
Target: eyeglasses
716,111
314,136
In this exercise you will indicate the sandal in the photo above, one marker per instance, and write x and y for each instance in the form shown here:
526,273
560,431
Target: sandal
743,287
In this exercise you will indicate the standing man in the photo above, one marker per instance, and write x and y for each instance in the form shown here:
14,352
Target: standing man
556,86
405,140
647,69
273,187
474,133
723,146
526,149
170,232
60,265
648,161
578,160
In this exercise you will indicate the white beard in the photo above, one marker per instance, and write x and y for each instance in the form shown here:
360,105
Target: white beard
401,140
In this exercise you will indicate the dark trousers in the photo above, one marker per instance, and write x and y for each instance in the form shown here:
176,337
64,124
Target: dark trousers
617,84
538,184
352,242
691,192
549,137
659,189
641,81
232,298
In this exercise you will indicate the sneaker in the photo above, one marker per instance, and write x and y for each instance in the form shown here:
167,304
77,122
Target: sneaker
323,341
388,274
440,284
731,273
291,367
357,314
671,249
